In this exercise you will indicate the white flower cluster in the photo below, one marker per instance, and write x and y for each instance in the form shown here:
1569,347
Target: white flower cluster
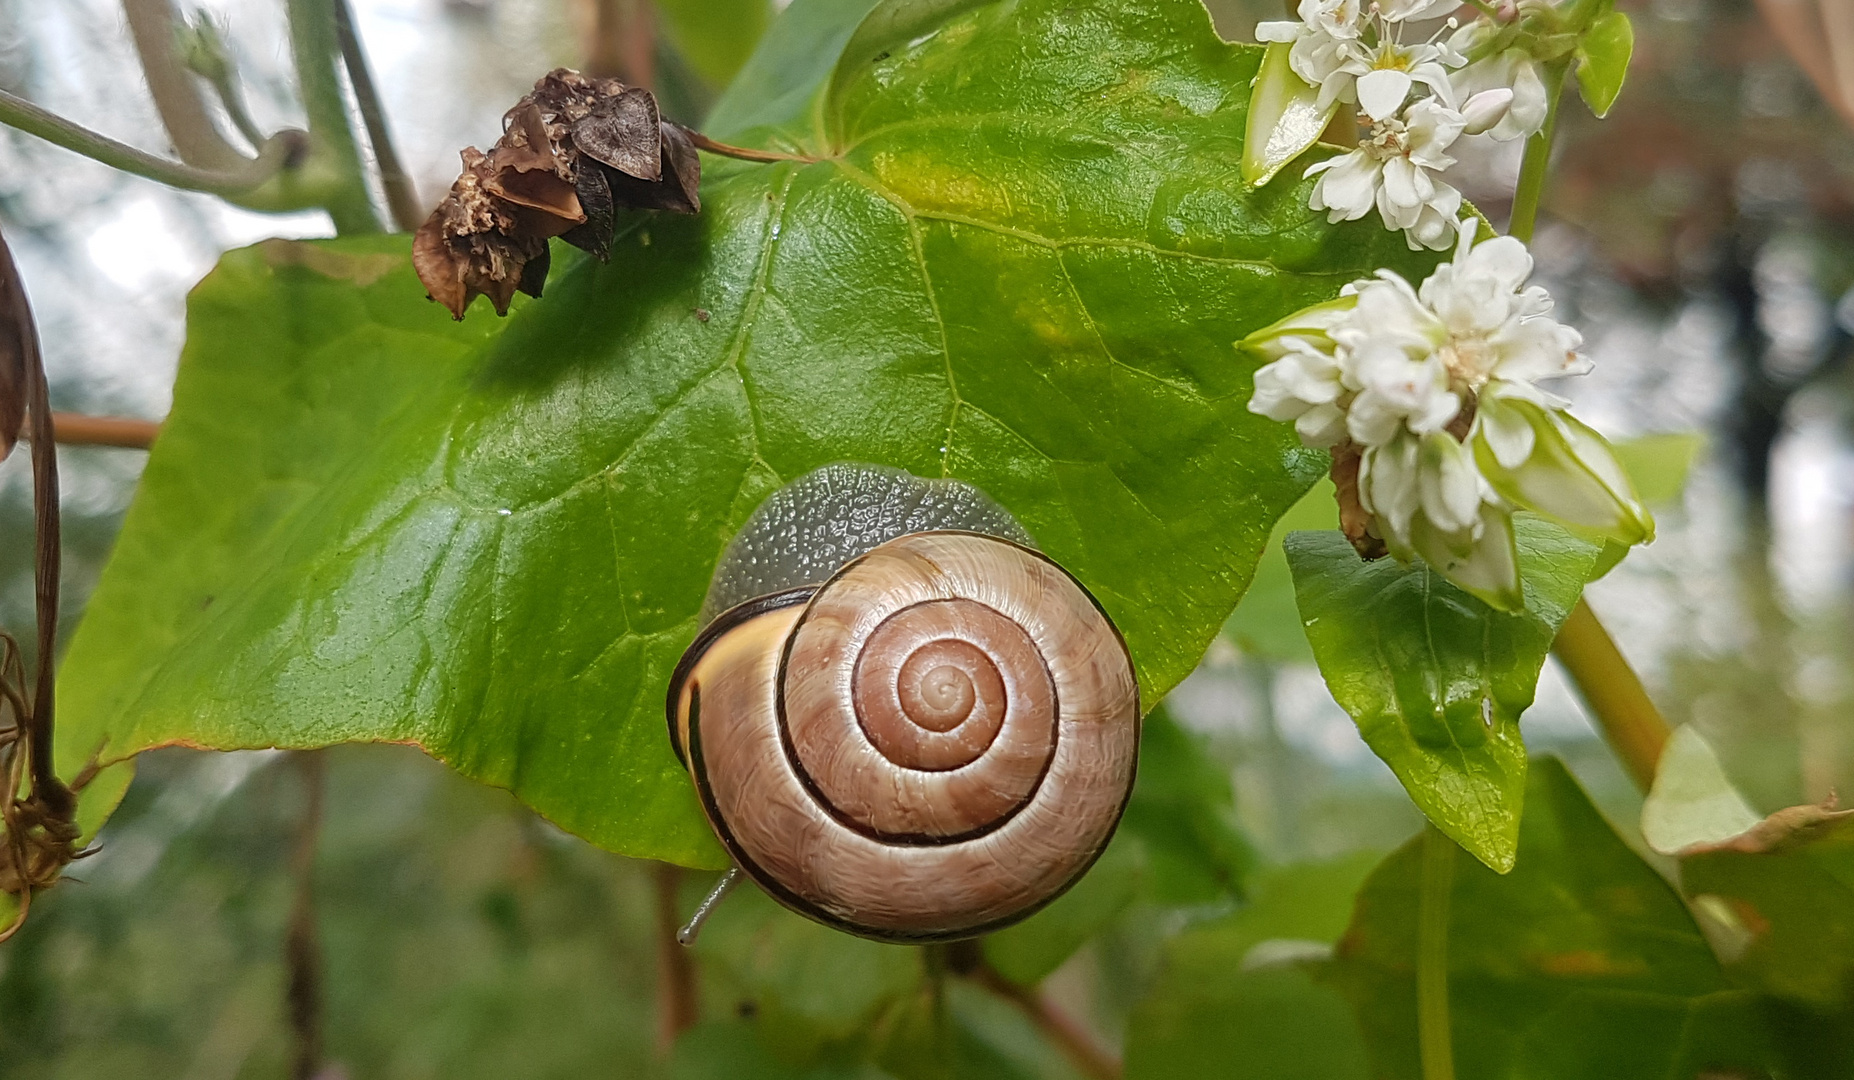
1416,99
1435,388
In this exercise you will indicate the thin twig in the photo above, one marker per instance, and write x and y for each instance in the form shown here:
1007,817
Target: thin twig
676,1003
232,97
155,26
1613,693
210,57
1069,1035
41,828
76,429
284,151
401,194
302,950
315,49
744,153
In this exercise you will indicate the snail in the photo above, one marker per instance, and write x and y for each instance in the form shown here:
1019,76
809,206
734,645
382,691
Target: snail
902,719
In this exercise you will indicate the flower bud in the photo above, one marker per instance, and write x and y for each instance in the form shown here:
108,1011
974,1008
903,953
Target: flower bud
1485,109
1311,323
1546,460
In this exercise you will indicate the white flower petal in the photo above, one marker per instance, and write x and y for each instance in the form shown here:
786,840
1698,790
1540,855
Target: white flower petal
1415,10
1321,426
1449,484
1348,185
1504,431
1489,571
1388,488
1381,93
1279,30
1485,109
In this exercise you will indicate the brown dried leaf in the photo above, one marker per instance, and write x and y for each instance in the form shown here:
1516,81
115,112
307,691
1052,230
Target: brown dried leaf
594,236
1354,519
622,132
678,191
572,151
1782,830
15,351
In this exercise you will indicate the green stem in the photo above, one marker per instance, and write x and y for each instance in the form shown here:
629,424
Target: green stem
1613,693
315,48
1611,689
1538,159
153,25
1434,1039
401,195
280,154
232,97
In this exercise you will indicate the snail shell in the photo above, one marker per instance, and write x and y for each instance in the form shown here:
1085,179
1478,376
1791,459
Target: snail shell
904,722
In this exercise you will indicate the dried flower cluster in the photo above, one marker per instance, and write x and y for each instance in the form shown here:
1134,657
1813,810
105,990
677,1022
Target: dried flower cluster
572,153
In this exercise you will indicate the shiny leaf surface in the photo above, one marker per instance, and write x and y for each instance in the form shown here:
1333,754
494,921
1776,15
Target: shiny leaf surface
1435,679
1020,259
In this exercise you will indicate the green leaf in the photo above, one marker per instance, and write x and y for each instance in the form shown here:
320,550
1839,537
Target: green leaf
807,986
723,1050
716,36
1029,951
1581,964
785,74
1183,812
1284,116
1178,844
962,1033
1780,902
1224,1007
1692,802
1603,60
1267,621
1435,679
1020,260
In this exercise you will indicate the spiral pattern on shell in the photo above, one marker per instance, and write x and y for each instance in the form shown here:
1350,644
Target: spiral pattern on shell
936,742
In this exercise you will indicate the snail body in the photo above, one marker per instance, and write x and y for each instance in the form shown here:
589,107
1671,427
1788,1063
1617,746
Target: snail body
903,720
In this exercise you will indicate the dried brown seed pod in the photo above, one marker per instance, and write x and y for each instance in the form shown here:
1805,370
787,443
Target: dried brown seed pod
572,152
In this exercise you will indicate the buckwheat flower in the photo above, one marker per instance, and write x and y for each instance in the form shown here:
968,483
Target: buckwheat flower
1433,392
1512,70
1387,73
1396,170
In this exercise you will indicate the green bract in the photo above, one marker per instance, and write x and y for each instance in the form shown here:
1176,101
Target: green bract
1603,60
1571,474
1284,116
1019,259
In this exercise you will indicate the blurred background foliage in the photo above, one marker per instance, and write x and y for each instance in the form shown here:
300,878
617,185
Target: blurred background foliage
1702,238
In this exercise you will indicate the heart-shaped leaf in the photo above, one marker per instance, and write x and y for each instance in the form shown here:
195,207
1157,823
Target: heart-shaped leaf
1436,679
1020,257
